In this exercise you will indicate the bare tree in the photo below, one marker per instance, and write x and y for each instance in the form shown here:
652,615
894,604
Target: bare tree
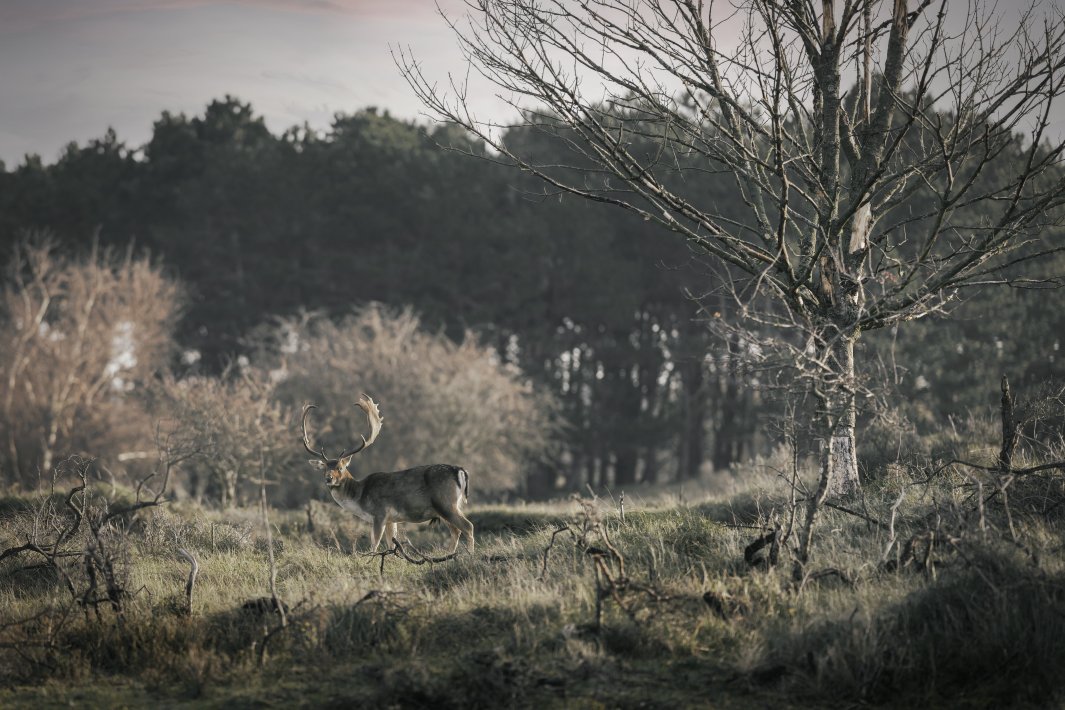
79,335
228,423
885,153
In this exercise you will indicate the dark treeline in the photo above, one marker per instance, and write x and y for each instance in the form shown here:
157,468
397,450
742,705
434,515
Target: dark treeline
588,301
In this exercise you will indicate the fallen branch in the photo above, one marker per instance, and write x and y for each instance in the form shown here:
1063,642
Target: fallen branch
1060,465
414,556
855,513
608,564
892,535
827,572
384,598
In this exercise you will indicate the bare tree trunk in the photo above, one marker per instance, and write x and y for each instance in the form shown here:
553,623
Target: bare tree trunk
48,445
651,471
840,455
650,367
591,459
13,452
228,488
839,462
732,422
540,480
693,437
625,465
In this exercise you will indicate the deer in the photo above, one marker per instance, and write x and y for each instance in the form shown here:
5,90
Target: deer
414,495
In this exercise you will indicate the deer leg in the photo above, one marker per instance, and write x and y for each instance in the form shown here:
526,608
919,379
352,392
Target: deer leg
455,534
393,531
377,531
459,525
467,529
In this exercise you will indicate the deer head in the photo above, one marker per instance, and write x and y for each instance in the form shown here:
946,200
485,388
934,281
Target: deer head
336,470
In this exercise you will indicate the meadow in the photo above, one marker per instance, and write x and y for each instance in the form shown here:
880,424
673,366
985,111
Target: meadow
916,597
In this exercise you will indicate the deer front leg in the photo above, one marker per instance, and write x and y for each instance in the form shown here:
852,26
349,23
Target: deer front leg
393,531
377,531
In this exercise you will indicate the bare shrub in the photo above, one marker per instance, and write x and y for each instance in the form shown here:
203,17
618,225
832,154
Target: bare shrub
80,335
84,540
442,401
233,423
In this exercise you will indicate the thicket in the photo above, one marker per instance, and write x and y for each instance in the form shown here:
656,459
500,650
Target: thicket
89,372
443,401
942,584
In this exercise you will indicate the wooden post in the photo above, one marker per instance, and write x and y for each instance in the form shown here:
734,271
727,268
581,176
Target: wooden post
1009,428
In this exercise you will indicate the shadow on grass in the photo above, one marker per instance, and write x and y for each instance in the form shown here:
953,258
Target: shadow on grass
989,637
515,521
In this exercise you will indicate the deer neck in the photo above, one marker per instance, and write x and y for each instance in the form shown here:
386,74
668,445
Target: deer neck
348,495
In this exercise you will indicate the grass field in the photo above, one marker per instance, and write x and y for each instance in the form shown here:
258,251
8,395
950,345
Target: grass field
975,619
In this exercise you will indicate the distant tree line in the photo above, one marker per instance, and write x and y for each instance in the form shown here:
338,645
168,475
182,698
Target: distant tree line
608,313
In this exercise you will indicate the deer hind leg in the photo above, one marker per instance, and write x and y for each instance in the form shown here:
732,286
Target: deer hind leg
455,535
460,526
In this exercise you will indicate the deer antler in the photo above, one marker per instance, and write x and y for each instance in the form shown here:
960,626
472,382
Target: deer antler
373,416
307,439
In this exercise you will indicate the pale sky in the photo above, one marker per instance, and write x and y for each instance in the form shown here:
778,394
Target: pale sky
71,68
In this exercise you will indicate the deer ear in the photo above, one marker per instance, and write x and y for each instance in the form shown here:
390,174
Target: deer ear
316,463
343,463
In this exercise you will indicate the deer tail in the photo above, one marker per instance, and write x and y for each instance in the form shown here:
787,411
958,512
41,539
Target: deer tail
464,483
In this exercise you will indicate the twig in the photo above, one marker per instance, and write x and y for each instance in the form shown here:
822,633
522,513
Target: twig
891,526
190,585
270,545
547,551
855,513
827,572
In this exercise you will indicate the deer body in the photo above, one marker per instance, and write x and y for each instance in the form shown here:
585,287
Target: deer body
414,495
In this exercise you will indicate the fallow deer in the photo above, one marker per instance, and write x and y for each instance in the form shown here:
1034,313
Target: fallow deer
415,495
